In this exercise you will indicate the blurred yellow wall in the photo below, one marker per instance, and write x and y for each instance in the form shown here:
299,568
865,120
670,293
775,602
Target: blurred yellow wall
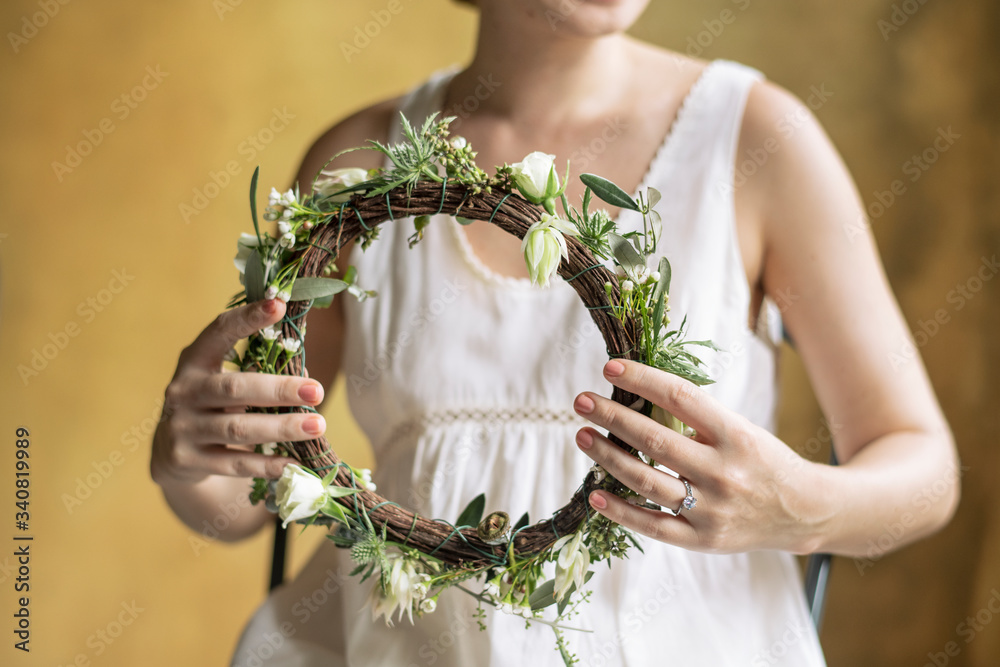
104,275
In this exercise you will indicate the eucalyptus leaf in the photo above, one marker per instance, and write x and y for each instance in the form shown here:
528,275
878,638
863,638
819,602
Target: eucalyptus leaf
653,197
625,253
473,513
253,203
663,285
609,192
306,289
544,595
254,277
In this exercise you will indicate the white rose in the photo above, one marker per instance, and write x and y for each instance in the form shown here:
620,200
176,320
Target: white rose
300,494
337,180
543,245
246,244
535,176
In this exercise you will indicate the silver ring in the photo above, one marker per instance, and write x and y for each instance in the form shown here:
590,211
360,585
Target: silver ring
688,502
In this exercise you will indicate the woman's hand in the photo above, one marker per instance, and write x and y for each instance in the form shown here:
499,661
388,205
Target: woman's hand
205,430
752,491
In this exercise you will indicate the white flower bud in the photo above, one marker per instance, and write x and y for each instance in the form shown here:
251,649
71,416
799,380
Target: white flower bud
459,143
655,276
284,295
287,240
284,227
627,286
270,333
429,605
270,292
291,345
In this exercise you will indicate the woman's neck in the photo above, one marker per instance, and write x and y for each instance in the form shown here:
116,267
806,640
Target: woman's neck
543,75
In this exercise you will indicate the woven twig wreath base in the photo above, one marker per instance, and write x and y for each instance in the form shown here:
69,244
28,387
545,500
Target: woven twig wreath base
514,215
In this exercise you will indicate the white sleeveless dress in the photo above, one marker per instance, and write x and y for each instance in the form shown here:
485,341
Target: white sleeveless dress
464,380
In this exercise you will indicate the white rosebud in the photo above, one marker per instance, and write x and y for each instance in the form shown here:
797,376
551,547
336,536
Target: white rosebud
428,606
627,286
271,292
270,333
291,345
535,176
459,143
300,494
543,245
284,295
337,180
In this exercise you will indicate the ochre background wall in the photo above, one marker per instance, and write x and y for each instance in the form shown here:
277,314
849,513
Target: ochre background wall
109,229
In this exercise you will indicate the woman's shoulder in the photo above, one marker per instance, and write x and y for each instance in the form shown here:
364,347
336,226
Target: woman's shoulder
369,123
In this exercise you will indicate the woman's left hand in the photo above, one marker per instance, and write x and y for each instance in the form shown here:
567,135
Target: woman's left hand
752,490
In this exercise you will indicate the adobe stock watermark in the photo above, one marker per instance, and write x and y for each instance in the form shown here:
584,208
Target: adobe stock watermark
584,155
785,129
267,645
792,634
485,87
894,532
423,317
369,31
918,165
87,310
899,16
31,24
634,621
968,629
957,298
104,468
248,149
714,28
102,638
121,108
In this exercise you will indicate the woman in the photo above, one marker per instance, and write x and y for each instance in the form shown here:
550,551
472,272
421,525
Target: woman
498,374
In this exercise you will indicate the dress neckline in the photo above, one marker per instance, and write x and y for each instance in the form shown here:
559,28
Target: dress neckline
440,81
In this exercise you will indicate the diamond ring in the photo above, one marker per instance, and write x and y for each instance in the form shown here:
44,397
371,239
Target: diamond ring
688,503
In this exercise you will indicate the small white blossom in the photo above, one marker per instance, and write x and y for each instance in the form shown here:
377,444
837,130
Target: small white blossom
271,214
620,271
526,611
507,608
287,240
627,286
246,244
274,199
288,198
284,295
655,276
366,479
269,448
291,345
459,143
287,214
398,594
428,605
492,589
271,292
284,227
270,333
599,473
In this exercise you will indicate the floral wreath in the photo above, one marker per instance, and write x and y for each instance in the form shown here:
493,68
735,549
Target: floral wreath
412,558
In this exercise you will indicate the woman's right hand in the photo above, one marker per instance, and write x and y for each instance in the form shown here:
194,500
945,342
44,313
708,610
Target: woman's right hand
205,429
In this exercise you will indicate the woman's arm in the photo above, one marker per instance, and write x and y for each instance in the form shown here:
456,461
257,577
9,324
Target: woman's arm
899,473
203,480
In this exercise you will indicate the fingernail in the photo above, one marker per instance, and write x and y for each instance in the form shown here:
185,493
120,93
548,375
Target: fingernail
598,501
584,439
311,393
314,425
270,306
614,368
584,403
